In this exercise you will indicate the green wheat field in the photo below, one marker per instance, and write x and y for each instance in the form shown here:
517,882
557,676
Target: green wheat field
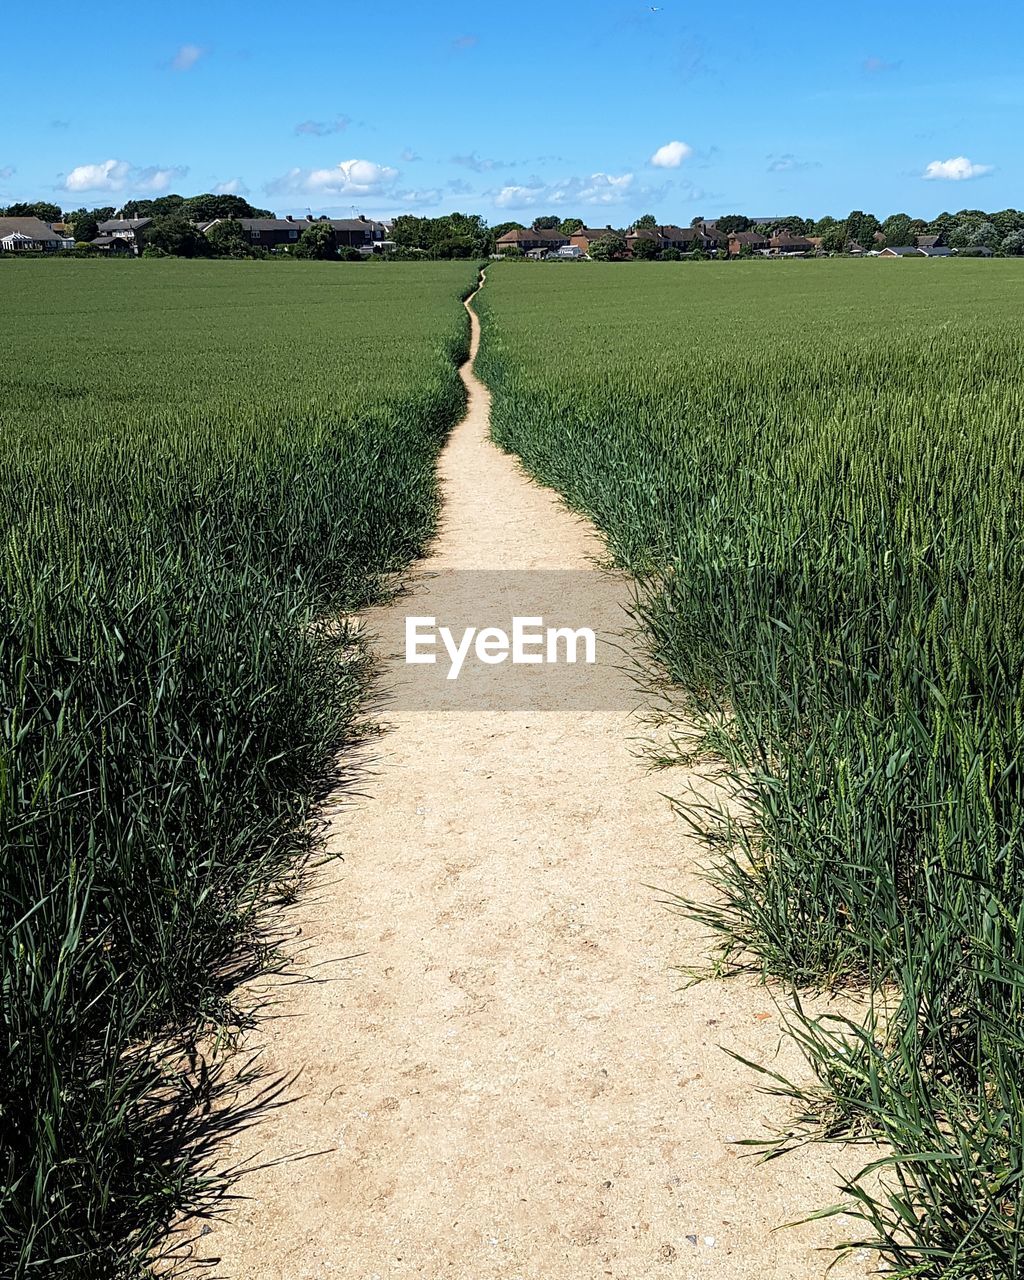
196,464
815,472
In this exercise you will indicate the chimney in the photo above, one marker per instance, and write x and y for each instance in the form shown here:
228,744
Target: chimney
309,217
288,218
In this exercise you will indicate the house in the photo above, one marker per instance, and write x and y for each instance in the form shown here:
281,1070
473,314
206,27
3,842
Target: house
900,251
685,239
360,233
526,240
714,240
930,241
122,235
787,245
935,251
586,236
31,235
752,241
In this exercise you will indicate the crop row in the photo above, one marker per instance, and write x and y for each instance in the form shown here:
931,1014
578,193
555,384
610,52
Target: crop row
818,481
194,475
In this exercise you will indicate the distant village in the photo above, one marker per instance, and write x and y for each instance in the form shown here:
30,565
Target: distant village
227,226
702,238
127,236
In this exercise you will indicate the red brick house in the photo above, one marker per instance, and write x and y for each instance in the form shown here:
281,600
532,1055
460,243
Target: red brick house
787,245
752,241
685,239
526,239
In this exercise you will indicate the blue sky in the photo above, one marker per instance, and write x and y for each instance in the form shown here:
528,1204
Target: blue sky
604,111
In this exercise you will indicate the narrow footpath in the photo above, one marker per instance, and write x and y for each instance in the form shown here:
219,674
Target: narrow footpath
510,1081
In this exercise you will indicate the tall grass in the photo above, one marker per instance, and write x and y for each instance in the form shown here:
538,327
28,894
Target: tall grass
815,471
199,464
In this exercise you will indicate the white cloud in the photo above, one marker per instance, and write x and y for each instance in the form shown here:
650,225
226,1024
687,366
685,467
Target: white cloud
409,156
187,57
120,175
7,171
671,155
158,179
465,42
233,187
956,169
349,178
596,189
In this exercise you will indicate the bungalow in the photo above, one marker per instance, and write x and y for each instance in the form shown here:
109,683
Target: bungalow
900,251
751,241
526,240
122,235
787,245
31,235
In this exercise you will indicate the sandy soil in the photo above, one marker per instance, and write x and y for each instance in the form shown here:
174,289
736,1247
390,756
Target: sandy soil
510,1079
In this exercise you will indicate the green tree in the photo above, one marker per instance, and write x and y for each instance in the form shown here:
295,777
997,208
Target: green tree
1012,244
85,226
942,225
550,223
898,229
455,234
794,224
317,241
733,222
861,228
41,209
645,221
1007,221
204,208
973,232
160,207
569,226
645,247
835,238
500,229
409,232
176,237
229,239
609,248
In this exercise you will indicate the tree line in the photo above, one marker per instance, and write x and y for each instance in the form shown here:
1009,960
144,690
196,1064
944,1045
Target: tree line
173,230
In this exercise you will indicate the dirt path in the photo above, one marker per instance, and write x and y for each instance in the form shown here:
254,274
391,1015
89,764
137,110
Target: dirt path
509,1079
